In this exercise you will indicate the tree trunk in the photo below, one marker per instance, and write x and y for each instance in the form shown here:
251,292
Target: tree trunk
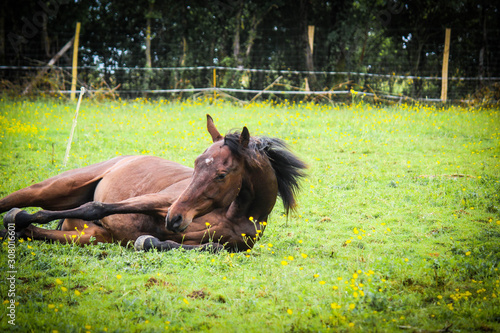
252,36
236,41
2,37
148,74
365,41
45,37
148,35
309,63
184,35
483,50
148,43
242,59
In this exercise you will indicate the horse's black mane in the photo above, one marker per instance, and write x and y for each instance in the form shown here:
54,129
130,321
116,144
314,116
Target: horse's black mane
287,167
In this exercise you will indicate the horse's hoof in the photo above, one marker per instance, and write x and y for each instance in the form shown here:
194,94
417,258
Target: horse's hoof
10,217
141,241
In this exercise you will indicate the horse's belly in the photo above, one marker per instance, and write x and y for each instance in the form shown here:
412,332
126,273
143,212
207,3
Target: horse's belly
142,175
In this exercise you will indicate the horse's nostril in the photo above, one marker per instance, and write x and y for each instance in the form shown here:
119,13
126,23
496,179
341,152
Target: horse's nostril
174,222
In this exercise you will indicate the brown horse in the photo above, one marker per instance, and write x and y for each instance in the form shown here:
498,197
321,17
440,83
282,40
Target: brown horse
224,202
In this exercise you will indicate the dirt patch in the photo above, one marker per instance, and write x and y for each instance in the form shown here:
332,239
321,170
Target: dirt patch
152,282
198,294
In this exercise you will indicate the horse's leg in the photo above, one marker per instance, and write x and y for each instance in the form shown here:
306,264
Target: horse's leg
148,243
67,190
82,233
152,204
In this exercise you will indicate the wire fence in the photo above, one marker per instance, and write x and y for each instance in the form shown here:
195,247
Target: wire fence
239,83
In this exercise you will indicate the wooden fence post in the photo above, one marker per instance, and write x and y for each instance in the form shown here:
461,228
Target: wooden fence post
444,75
310,35
75,62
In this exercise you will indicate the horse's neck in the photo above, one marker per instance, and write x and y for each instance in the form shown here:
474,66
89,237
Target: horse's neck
257,195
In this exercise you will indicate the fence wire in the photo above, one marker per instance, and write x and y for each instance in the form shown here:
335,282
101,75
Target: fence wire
242,83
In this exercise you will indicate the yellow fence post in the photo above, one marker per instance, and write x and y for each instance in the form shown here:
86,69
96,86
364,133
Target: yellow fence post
75,62
215,83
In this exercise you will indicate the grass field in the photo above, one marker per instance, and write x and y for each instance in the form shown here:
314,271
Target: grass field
397,229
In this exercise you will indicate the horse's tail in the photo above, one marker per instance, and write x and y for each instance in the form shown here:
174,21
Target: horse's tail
59,224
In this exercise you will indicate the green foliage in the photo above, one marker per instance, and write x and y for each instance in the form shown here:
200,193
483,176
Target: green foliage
366,36
397,226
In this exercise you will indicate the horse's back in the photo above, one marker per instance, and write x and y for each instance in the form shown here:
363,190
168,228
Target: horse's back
139,175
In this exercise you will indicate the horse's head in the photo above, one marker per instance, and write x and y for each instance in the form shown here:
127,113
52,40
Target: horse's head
216,182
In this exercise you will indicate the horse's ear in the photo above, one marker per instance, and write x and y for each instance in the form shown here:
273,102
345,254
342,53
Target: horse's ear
214,133
244,137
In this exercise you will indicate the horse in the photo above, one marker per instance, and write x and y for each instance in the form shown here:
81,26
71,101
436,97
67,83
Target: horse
223,203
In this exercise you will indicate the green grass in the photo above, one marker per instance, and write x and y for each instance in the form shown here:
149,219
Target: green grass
398,224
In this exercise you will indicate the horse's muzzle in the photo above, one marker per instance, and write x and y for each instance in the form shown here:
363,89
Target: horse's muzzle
174,223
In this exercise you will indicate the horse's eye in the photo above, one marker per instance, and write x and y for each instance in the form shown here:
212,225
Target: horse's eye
220,176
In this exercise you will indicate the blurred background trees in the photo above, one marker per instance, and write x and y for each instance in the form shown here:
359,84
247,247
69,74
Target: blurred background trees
368,36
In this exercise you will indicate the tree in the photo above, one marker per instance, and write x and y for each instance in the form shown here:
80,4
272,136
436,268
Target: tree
249,15
386,36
